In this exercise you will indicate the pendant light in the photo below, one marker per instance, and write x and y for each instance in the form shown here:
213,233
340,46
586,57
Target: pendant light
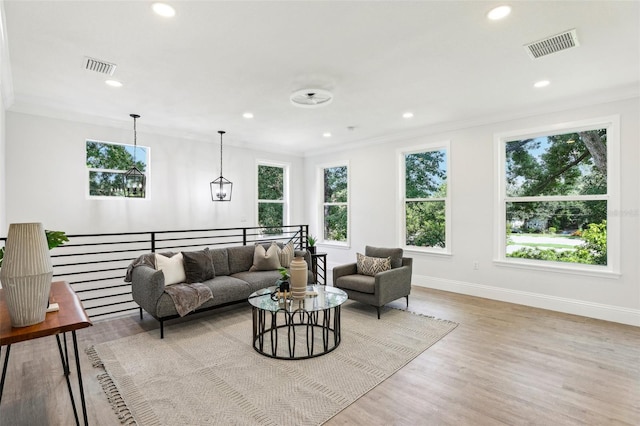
221,187
134,179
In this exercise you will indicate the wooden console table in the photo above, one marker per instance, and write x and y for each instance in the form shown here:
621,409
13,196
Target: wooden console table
70,317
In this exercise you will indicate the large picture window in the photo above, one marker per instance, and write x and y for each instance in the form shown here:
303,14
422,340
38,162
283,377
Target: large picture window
272,198
335,204
107,164
425,203
557,195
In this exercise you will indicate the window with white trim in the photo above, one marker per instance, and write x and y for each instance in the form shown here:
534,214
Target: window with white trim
335,203
107,163
425,198
272,197
558,189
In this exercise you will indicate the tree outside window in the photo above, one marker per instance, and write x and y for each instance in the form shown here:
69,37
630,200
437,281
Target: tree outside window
271,198
556,196
425,198
335,203
107,164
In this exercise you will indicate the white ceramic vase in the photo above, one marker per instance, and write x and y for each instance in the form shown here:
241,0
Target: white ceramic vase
299,276
26,274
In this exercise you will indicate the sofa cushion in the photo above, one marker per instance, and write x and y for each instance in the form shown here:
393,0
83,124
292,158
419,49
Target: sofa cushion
394,253
361,283
265,260
172,268
220,260
259,279
240,258
372,265
198,266
286,254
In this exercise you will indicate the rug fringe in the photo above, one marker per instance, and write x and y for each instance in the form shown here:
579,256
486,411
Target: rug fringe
424,315
111,390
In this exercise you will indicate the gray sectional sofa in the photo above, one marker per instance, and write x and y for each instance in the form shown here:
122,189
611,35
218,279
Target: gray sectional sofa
233,282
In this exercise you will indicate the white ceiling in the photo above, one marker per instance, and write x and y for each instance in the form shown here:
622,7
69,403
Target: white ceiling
198,72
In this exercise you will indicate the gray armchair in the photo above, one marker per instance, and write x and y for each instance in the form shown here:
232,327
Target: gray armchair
382,288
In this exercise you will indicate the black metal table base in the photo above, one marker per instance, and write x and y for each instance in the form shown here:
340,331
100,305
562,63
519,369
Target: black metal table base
299,332
64,357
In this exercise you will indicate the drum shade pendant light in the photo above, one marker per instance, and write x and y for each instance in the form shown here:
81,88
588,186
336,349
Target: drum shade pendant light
221,187
134,179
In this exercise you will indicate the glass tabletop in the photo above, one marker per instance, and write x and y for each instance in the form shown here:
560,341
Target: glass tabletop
319,297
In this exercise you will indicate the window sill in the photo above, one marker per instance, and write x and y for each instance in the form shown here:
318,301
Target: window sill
428,251
593,271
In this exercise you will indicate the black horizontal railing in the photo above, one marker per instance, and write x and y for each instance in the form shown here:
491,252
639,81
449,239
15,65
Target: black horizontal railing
95,265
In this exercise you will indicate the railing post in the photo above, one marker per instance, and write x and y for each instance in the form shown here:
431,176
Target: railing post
244,236
153,242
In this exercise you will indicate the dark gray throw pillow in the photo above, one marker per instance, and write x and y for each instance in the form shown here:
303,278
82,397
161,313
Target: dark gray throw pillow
198,266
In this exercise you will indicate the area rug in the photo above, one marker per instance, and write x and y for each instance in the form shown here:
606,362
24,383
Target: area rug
205,371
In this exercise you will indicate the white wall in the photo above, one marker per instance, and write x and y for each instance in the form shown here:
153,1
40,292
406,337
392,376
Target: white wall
374,195
47,180
3,156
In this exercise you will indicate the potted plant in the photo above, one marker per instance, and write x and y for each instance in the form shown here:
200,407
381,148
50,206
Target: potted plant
311,243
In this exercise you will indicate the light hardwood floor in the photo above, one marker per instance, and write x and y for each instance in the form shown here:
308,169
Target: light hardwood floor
504,364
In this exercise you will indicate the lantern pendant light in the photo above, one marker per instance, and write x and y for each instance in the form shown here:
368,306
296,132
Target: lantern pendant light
134,179
221,188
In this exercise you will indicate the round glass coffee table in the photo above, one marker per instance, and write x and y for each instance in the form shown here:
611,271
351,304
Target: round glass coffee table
297,328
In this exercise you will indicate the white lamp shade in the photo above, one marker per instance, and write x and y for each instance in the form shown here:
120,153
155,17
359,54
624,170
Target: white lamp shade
26,273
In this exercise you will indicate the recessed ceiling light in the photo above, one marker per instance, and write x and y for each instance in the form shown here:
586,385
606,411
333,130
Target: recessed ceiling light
499,12
248,115
163,9
407,115
541,83
326,135
113,83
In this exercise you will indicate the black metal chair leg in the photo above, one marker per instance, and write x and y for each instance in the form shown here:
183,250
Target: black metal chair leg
378,309
162,329
140,313
407,296
4,370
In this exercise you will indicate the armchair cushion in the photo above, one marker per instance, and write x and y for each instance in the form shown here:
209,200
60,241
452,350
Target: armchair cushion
394,253
372,265
361,283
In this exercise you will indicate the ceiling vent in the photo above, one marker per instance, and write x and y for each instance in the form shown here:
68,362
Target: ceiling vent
311,98
553,44
103,67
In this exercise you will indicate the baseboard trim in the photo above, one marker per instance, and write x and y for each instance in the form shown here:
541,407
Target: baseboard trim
570,306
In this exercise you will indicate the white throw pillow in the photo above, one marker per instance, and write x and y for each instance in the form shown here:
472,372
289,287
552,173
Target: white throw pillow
172,268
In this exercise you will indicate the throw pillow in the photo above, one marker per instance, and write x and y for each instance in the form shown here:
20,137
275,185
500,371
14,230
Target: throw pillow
286,255
172,268
265,260
198,266
372,265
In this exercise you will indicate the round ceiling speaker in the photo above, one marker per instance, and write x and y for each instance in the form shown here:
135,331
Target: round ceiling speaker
311,98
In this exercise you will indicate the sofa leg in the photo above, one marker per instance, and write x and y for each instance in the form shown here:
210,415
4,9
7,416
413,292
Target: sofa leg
162,329
378,309
140,313
407,296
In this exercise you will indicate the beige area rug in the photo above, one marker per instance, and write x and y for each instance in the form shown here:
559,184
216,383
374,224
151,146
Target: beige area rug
205,371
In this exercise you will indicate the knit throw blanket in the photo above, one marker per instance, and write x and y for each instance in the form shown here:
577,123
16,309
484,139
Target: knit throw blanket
188,297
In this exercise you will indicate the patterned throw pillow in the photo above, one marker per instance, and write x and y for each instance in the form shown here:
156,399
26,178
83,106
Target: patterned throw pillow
265,260
286,254
372,265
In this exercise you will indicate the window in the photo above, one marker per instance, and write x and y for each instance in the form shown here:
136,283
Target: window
107,164
425,206
272,197
558,191
335,203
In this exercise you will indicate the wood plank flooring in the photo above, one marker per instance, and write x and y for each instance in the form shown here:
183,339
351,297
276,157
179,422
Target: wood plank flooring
504,364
